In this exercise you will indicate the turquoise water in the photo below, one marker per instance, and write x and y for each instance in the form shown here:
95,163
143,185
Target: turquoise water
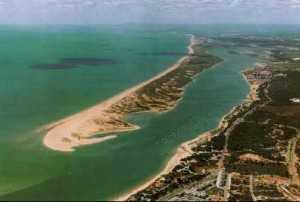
33,97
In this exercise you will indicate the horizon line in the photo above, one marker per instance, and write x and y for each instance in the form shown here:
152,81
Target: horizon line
159,24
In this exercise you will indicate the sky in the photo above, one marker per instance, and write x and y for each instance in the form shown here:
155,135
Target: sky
149,11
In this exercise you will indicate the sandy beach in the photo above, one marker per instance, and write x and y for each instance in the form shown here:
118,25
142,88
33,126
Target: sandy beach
63,135
182,152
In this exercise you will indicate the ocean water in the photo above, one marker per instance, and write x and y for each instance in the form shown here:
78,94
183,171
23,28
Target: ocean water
34,91
48,73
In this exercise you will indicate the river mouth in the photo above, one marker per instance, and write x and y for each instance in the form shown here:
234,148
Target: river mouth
103,171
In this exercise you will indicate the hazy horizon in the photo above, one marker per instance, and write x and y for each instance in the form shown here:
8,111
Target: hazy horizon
112,12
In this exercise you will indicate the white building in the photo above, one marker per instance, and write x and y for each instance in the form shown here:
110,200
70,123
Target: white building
221,178
295,100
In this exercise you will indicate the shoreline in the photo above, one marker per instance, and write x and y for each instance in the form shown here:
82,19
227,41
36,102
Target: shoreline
185,149
63,135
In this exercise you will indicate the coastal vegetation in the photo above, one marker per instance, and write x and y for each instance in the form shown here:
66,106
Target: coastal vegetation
254,154
163,93
158,94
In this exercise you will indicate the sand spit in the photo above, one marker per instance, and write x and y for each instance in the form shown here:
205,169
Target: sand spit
76,130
